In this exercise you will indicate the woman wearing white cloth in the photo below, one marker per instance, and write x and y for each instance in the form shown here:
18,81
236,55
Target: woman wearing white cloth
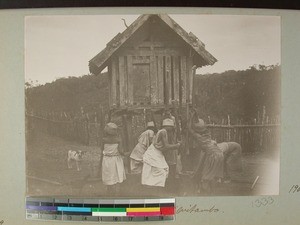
113,172
155,168
144,141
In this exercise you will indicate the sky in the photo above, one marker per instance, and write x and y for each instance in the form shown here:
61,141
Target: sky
61,46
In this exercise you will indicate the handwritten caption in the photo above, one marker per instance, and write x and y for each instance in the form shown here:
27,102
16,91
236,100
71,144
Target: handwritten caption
195,209
294,189
262,202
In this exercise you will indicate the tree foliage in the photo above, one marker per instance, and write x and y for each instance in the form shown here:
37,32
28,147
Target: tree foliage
239,94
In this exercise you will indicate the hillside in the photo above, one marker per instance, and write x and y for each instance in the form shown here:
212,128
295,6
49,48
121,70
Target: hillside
239,94
69,94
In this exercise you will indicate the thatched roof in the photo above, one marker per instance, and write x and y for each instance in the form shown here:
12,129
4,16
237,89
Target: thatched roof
99,62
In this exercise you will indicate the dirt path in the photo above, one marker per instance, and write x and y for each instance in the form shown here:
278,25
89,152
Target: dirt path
48,174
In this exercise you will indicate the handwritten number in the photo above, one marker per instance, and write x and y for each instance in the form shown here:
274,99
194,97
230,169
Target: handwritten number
271,200
295,188
258,203
263,202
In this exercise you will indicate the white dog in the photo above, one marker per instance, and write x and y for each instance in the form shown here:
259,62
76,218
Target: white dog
75,156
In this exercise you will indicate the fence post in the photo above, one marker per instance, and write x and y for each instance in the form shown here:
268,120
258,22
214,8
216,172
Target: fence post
229,129
102,124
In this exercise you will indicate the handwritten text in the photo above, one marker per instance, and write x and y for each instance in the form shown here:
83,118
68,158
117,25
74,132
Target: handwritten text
264,201
194,209
294,189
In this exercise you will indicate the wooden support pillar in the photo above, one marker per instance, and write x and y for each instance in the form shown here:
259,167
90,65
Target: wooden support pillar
127,138
127,132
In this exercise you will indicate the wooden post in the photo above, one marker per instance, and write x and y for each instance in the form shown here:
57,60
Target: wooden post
183,81
96,128
153,81
187,146
87,128
122,81
168,79
144,116
229,130
176,83
127,134
262,130
263,115
160,79
192,89
152,118
102,125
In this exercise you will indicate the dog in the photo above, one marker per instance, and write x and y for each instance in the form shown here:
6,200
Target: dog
75,156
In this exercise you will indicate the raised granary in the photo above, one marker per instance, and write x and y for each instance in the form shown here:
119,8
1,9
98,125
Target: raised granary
151,64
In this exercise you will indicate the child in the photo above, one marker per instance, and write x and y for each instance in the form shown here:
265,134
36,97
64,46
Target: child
113,171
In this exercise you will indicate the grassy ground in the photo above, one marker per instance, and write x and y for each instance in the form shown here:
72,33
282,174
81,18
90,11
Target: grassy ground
48,174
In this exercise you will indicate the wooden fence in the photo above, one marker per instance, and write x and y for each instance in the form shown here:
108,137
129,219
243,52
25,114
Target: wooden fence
253,138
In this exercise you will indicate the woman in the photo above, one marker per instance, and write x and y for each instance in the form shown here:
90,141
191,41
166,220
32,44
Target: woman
232,152
113,172
210,168
144,141
155,168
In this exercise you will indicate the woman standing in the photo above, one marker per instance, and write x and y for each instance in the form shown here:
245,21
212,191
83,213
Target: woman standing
155,168
144,141
113,172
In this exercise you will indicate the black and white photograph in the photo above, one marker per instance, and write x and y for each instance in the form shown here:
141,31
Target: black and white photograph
152,105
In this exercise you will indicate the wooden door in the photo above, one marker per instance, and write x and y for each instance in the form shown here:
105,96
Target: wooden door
141,83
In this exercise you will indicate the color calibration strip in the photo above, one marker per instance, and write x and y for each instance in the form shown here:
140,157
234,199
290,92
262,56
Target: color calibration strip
98,210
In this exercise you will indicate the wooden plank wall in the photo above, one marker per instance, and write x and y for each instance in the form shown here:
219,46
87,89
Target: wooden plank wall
160,79
183,73
171,79
114,71
130,79
153,81
176,77
189,64
168,86
122,81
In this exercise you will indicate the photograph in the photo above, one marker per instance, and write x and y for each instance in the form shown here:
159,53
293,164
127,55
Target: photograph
152,105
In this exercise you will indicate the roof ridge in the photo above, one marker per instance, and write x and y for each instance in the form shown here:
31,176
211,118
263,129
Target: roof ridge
98,62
